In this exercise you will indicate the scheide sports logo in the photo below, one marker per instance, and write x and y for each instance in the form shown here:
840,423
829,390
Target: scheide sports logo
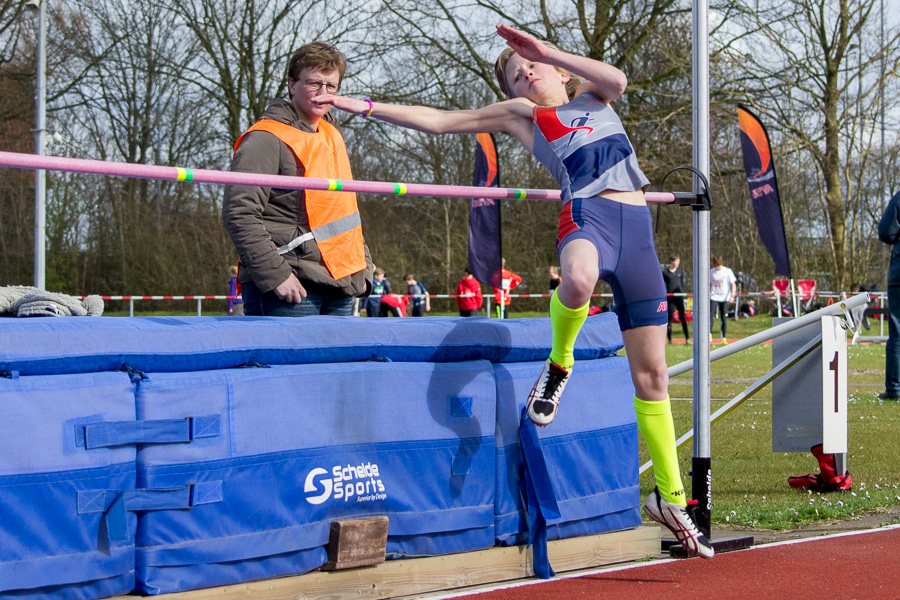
360,483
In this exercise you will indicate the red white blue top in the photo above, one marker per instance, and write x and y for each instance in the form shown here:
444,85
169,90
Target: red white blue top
585,146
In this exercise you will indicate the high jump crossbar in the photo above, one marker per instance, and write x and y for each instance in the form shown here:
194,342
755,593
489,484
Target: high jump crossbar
18,160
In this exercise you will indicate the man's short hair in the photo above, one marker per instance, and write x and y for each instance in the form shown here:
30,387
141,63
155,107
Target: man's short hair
317,55
674,257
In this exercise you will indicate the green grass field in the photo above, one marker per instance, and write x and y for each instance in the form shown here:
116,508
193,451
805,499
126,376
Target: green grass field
749,480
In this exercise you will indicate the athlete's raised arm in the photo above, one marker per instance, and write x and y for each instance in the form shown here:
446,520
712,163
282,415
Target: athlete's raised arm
604,80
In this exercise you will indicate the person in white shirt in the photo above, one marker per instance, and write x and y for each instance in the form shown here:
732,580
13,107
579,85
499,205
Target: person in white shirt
722,289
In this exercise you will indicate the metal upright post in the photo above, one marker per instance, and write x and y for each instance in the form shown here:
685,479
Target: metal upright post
701,469
40,183
701,464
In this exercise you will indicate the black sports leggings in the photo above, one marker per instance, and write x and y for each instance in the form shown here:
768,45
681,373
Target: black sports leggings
677,303
722,308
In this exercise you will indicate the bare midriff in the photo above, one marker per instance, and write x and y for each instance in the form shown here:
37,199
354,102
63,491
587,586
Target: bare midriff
636,198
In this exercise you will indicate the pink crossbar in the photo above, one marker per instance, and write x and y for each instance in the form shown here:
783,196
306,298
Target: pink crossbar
19,160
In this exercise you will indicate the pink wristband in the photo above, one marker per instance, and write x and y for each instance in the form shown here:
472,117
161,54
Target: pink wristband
368,113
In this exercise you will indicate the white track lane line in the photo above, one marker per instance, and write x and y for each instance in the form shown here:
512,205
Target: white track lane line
610,569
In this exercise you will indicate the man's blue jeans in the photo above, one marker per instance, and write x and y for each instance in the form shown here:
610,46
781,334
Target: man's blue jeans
892,351
320,300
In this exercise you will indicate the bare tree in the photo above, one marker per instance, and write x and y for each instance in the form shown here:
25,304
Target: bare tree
131,105
243,47
817,81
10,29
18,71
458,34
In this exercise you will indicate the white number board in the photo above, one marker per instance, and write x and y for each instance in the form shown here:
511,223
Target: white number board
834,386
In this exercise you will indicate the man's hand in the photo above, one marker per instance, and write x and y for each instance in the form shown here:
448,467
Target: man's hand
291,290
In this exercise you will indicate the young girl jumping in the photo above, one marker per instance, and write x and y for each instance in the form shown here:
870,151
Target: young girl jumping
559,110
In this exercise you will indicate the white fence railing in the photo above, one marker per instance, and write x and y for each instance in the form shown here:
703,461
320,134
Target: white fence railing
878,298
199,299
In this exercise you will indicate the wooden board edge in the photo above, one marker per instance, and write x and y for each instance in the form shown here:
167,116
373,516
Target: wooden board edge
404,577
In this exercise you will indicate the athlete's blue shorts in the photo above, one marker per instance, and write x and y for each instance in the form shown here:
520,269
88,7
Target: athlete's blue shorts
623,236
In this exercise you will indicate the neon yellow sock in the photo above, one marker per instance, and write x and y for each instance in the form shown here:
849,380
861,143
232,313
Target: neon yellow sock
566,324
654,421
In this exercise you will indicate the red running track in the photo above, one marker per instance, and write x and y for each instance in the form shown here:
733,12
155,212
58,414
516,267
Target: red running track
864,566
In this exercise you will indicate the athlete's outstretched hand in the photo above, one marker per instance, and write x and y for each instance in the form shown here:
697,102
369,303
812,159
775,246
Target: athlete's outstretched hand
344,103
527,46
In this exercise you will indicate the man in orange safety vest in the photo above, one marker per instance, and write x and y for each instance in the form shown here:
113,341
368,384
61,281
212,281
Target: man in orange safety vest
302,252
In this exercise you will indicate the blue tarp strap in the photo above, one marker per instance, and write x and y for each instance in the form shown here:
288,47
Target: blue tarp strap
116,504
542,506
104,434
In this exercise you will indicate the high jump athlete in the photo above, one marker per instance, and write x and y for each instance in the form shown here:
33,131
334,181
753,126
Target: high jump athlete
559,109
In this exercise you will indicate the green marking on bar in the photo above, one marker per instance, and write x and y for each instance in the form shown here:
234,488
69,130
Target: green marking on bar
400,188
520,193
335,185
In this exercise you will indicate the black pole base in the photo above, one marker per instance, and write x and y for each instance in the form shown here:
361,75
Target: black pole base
701,488
721,544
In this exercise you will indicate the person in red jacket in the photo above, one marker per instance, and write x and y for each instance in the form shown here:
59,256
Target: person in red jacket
393,305
468,296
509,281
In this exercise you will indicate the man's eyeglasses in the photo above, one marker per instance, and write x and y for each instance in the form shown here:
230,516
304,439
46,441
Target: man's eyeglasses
315,86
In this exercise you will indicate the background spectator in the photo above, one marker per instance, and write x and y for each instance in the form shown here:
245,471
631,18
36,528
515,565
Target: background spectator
468,295
235,304
508,282
889,233
673,277
393,305
380,287
554,280
722,288
420,301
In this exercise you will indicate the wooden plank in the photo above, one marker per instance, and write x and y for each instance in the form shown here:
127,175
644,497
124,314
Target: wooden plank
403,577
604,549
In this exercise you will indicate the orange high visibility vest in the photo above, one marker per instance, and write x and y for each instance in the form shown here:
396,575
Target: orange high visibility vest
333,216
